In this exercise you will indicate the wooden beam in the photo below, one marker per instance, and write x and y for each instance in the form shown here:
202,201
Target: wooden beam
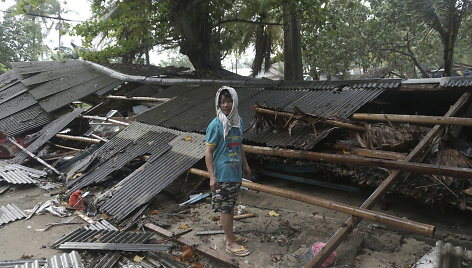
361,161
414,119
403,223
221,257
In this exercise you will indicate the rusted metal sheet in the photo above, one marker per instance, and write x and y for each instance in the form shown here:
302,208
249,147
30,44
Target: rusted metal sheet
10,212
47,133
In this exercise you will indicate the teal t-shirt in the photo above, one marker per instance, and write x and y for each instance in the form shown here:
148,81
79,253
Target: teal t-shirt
227,160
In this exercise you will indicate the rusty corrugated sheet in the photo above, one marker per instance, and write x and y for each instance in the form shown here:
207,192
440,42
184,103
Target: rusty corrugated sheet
47,133
10,212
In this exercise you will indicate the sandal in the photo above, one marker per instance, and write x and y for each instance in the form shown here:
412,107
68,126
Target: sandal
239,239
241,252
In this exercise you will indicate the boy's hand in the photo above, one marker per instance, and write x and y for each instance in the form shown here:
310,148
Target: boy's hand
247,173
214,184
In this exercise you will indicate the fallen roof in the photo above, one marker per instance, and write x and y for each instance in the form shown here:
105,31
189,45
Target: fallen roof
171,154
32,91
47,133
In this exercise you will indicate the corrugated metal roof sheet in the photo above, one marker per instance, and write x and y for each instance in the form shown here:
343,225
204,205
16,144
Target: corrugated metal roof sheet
325,103
145,90
152,143
15,176
56,84
10,212
197,118
103,236
177,106
101,225
331,85
147,181
22,121
456,82
77,92
47,133
65,260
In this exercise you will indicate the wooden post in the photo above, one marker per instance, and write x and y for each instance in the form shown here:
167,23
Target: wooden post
415,119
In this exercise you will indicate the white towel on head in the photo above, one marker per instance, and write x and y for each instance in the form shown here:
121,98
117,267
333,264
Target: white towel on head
232,120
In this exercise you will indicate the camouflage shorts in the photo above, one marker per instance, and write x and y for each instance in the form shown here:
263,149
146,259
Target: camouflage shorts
225,198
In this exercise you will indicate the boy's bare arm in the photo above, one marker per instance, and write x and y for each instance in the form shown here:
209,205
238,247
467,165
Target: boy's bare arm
211,169
246,169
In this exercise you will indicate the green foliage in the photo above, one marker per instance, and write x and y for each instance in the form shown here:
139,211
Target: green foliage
20,40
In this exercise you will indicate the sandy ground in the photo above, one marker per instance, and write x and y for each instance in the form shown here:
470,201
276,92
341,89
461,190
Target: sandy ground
281,241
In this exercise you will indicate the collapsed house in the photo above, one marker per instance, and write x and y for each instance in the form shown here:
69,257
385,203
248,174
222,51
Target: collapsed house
140,134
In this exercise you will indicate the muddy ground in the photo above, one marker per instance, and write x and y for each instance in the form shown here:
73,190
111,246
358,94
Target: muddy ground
274,241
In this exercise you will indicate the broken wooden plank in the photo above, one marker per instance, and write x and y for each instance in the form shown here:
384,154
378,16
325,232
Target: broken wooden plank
361,161
403,223
414,119
352,222
221,257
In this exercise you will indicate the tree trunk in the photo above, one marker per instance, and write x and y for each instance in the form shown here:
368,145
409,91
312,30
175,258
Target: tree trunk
192,20
259,57
292,43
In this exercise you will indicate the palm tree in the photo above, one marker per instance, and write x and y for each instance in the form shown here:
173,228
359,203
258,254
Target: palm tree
445,17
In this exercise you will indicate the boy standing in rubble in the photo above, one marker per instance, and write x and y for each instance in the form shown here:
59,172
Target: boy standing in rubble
226,162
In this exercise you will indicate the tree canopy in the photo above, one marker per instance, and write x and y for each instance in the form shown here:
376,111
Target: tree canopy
331,37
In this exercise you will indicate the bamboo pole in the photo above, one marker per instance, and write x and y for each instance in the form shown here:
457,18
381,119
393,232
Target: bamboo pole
328,121
369,152
352,222
415,119
105,119
66,147
361,161
75,138
244,216
12,140
424,229
136,98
